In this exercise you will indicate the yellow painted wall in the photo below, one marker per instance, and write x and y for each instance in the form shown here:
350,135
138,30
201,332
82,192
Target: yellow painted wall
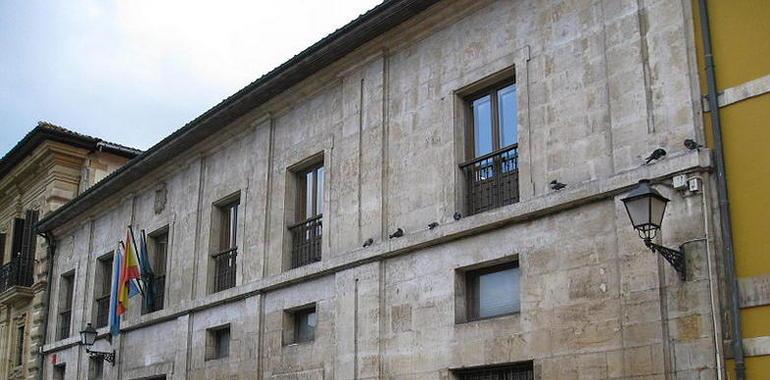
739,39
746,136
757,367
740,32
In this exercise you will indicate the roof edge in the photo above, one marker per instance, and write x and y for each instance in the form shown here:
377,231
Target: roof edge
323,53
47,131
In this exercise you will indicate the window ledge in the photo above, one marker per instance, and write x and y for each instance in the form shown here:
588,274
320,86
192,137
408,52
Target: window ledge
515,314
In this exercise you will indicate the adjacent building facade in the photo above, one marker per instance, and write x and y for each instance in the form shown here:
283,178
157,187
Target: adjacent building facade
47,168
389,204
741,68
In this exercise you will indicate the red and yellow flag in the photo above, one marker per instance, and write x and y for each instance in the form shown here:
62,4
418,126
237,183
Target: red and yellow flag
129,273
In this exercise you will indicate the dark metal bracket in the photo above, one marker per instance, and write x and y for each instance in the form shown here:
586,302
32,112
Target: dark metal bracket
673,256
109,357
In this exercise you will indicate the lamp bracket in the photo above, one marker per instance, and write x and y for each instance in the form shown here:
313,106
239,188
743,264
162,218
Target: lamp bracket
673,256
109,357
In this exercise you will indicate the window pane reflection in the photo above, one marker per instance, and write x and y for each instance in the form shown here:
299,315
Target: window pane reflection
506,99
482,124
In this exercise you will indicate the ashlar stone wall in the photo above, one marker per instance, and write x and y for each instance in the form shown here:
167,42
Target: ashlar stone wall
601,84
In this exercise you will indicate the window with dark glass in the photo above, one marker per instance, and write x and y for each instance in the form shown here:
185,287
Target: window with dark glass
225,257
59,372
492,168
96,368
19,345
102,289
493,291
300,325
306,232
218,343
66,287
158,252
2,249
515,371
18,238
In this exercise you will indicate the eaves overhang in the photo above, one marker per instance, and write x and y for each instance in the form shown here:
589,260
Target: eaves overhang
46,131
343,41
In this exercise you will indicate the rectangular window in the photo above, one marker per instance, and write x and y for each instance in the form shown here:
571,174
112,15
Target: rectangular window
516,371
102,289
218,343
20,345
494,120
300,325
66,287
96,369
492,173
158,252
2,249
492,291
59,372
225,258
311,192
228,232
18,238
306,232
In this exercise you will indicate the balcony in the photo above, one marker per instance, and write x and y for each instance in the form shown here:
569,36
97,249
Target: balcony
224,269
492,180
15,280
306,241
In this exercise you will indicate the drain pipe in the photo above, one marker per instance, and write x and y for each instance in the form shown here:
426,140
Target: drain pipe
724,204
51,244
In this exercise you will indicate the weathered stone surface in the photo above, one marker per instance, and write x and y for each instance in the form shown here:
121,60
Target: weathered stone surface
601,84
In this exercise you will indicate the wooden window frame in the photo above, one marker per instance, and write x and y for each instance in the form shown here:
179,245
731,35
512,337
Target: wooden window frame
228,233
156,261
301,201
470,131
103,291
68,299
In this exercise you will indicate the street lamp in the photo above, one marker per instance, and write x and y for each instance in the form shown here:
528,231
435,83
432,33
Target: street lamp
645,208
87,338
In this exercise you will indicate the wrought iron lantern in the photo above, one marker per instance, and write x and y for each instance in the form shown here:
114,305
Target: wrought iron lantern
645,207
87,338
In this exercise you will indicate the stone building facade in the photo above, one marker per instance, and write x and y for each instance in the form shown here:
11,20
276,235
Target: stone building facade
47,168
357,213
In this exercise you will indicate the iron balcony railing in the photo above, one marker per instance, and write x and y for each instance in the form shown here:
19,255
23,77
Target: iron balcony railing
18,272
492,180
63,330
102,311
159,285
224,269
306,241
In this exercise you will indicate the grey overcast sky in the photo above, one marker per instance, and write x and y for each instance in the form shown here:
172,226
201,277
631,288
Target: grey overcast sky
133,71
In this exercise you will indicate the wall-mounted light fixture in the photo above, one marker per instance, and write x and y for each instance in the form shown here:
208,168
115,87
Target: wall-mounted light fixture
87,338
645,208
